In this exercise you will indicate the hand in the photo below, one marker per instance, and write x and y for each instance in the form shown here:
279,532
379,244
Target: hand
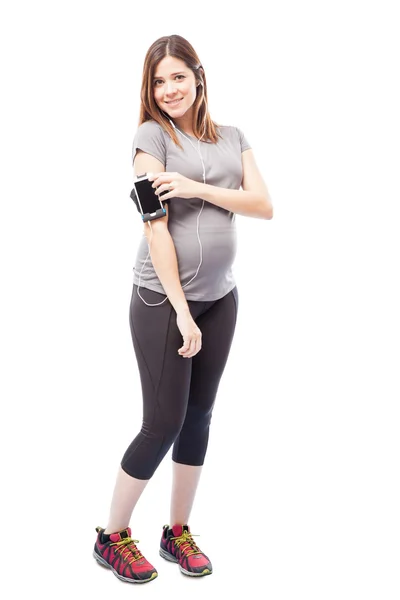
178,185
191,334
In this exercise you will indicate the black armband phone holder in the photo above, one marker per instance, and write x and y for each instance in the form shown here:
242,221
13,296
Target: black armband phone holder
161,212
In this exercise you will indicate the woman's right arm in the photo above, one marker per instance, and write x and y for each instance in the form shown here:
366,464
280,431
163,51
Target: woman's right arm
163,256
165,262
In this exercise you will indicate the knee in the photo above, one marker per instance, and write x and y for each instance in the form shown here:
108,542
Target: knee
149,447
170,428
164,428
198,418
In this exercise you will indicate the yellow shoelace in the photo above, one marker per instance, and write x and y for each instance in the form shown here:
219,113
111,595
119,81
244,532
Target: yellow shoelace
188,544
128,544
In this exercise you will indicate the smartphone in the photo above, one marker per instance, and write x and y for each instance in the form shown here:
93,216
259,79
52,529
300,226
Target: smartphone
147,201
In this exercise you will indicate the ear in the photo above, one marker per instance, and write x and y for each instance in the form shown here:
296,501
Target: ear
202,72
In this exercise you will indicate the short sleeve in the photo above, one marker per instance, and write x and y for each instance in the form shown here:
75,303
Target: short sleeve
150,138
244,144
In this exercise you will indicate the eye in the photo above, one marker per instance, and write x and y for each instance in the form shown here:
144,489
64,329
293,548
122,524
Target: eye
159,80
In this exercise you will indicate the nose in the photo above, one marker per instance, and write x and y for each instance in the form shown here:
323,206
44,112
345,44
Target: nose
170,88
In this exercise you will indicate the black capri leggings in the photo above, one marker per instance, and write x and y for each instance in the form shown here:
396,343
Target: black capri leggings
178,393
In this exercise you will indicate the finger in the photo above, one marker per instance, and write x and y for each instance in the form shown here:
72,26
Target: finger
192,348
197,339
188,353
185,348
166,194
186,344
160,178
158,183
165,197
163,188
196,346
151,176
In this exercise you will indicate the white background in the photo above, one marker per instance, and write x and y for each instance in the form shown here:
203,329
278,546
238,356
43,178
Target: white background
299,496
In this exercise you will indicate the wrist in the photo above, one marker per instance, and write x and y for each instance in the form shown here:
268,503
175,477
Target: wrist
203,191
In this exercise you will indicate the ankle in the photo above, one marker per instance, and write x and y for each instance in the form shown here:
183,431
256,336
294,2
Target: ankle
112,529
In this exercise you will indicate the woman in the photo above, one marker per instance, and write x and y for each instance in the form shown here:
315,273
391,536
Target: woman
185,292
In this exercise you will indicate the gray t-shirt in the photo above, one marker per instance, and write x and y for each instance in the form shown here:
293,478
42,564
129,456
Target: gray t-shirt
217,227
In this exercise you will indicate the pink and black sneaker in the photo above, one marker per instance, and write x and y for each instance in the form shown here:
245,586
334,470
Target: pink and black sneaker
177,545
118,552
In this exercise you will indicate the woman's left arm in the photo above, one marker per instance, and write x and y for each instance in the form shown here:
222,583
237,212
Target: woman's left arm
252,201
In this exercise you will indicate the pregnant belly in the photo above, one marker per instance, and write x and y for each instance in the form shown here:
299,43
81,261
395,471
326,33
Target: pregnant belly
218,253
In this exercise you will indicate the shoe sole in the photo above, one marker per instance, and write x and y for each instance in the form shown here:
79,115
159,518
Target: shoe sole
171,558
104,563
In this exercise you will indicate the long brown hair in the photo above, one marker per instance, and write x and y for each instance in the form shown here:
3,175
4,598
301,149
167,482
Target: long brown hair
177,46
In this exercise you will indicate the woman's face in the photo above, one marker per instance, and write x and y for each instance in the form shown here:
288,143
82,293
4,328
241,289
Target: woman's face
174,81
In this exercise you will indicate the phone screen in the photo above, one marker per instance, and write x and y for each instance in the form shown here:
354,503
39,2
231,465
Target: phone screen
147,196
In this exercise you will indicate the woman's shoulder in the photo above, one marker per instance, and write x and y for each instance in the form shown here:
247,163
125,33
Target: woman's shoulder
234,134
150,126
149,138
152,132
229,130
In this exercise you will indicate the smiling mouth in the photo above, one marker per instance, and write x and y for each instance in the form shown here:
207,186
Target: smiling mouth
174,101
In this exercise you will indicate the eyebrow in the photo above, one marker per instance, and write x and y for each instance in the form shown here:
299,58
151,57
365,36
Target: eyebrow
172,75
